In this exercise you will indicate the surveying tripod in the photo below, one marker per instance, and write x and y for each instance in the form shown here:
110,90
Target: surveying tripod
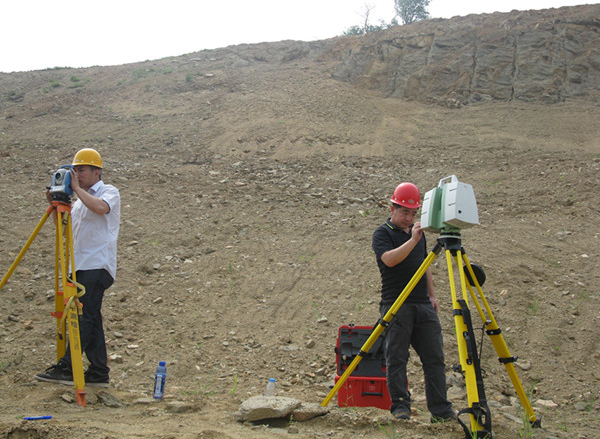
470,276
67,307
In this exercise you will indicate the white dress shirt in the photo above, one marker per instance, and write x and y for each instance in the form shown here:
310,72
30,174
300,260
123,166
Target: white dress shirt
95,236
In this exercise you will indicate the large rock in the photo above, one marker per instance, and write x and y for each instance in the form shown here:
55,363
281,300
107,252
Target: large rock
308,411
548,55
259,408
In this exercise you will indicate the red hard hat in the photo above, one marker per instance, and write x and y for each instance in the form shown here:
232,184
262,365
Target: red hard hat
407,195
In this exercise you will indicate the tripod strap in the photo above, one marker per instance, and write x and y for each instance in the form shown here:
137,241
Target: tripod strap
480,410
72,302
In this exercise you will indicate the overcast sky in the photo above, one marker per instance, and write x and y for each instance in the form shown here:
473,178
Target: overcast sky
39,34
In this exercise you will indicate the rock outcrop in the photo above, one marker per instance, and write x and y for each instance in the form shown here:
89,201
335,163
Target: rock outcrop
548,55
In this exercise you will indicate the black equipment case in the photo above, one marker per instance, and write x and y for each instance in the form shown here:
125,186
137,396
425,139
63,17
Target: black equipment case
350,339
366,386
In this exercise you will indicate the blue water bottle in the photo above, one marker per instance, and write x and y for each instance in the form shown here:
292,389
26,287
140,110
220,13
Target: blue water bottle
159,380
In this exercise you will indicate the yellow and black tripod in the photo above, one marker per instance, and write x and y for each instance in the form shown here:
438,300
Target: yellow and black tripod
66,304
470,276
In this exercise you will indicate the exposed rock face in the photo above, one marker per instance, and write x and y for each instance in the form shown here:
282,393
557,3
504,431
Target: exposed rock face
549,55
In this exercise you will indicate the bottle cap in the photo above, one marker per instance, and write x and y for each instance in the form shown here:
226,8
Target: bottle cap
272,380
161,363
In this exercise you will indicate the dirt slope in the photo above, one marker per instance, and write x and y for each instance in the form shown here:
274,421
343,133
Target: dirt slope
251,182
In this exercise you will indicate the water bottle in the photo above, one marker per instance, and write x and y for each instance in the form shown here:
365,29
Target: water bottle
159,380
270,390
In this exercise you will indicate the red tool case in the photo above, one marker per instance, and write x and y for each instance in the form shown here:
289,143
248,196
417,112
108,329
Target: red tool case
367,385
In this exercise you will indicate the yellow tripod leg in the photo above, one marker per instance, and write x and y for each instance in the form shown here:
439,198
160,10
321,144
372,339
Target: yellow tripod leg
25,247
504,356
68,295
461,329
75,342
71,304
381,326
59,298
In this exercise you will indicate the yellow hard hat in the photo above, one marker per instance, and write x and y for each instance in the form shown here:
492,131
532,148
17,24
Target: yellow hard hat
88,156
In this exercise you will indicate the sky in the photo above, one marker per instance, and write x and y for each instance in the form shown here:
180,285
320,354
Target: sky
40,34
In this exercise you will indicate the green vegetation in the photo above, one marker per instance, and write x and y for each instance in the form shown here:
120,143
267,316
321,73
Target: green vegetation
590,403
144,73
527,430
141,73
388,430
206,389
77,82
367,28
408,11
57,68
534,306
235,381
316,309
15,96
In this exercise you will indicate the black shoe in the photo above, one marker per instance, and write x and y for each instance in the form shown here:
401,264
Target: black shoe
402,414
56,374
94,379
440,419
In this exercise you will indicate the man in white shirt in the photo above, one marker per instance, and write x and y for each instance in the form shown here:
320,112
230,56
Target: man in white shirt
95,221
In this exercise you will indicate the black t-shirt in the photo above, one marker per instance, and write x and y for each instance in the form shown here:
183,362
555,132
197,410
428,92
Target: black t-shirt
394,279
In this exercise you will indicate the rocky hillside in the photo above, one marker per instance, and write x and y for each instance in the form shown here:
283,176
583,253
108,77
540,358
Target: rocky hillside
252,178
546,56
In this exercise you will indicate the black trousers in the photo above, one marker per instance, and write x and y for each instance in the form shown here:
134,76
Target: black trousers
91,330
418,325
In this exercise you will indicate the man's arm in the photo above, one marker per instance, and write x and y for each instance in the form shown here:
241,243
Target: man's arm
393,257
95,204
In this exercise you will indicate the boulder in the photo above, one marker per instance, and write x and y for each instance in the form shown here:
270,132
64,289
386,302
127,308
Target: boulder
259,408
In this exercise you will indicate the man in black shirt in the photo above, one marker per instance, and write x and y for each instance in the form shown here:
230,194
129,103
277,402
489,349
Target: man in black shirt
400,248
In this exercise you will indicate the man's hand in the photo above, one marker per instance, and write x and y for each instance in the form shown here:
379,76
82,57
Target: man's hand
417,232
393,257
74,180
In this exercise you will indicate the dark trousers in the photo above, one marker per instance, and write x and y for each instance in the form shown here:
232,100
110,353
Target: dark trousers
417,325
91,331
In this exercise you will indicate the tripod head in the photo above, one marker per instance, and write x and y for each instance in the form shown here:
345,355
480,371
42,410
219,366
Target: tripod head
62,197
450,242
